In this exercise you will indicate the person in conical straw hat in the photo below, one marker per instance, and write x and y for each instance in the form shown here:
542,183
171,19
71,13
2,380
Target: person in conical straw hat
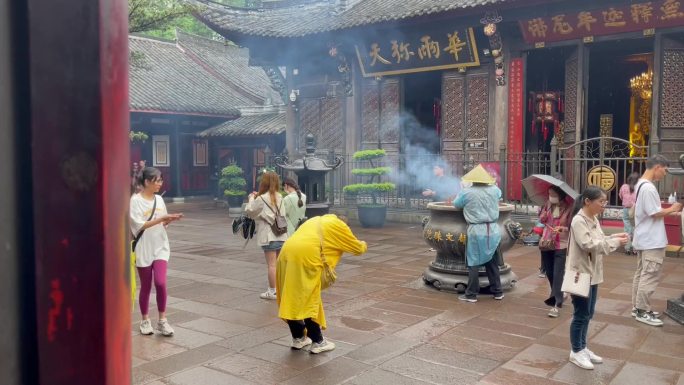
480,204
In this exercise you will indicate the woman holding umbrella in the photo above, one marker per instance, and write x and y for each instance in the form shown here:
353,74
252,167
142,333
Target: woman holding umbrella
554,214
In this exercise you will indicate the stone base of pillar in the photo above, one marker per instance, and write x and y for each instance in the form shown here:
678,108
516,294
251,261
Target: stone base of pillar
457,282
675,309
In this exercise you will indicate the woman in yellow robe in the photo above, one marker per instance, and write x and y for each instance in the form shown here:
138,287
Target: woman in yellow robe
298,277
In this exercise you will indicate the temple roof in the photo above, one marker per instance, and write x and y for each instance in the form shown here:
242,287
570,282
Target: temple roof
195,75
262,123
306,17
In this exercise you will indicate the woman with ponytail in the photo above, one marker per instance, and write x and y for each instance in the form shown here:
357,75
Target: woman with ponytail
294,204
148,222
264,206
586,248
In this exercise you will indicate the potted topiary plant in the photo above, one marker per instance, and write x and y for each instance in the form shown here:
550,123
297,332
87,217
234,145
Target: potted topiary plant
233,184
371,214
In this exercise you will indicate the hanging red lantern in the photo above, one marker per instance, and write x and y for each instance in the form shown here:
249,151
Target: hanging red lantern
546,108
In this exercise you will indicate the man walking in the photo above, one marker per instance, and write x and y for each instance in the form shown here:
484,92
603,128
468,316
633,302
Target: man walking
480,204
649,239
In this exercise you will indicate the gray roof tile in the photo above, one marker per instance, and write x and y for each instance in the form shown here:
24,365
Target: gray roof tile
261,124
195,76
314,17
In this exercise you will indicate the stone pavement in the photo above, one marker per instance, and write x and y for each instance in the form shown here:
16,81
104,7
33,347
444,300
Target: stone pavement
389,328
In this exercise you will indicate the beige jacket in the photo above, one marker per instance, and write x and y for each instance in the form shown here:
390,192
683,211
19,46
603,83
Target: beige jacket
587,247
263,216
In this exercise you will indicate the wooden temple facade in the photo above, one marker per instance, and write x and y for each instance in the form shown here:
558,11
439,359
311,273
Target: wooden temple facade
467,79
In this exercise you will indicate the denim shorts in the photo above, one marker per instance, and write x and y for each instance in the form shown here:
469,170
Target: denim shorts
273,246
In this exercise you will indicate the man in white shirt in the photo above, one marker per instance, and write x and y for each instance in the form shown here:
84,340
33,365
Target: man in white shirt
650,239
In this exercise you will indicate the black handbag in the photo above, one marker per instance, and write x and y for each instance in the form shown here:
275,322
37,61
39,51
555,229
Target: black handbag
301,222
245,226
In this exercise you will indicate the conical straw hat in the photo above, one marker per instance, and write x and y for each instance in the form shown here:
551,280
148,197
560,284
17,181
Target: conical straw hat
478,175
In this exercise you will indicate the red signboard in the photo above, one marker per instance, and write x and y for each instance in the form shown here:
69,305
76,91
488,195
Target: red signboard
644,16
514,145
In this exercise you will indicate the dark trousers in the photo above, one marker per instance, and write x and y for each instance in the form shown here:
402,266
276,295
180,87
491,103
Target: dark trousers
313,330
493,276
553,263
584,312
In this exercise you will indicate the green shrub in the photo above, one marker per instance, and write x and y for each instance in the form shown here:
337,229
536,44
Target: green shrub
369,154
369,188
377,171
232,181
373,186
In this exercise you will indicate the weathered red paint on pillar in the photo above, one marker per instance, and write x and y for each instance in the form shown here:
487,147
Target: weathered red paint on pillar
79,126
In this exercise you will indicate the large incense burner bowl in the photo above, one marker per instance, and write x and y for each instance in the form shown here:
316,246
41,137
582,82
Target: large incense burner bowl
446,232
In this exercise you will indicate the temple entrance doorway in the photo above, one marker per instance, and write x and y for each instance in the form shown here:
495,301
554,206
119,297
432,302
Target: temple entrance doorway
420,120
619,90
545,85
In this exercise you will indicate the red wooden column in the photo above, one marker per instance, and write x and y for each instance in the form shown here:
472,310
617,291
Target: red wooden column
78,74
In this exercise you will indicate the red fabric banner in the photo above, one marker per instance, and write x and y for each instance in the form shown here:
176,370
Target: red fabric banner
514,146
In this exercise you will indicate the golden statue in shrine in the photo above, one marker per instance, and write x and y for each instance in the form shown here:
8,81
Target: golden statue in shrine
640,112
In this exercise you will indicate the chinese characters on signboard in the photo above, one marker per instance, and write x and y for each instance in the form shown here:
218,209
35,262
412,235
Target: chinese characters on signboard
417,51
604,21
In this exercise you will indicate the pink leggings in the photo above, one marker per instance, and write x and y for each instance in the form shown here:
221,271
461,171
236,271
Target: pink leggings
158,267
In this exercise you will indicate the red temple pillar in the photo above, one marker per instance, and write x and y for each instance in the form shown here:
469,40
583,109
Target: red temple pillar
76,113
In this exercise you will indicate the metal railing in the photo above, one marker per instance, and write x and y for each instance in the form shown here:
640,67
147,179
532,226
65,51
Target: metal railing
411,173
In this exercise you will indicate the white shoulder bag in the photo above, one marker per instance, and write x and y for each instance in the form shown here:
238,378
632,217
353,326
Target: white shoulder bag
574,281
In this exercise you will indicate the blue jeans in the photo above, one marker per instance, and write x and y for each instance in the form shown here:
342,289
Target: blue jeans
629,227
273,246
583,313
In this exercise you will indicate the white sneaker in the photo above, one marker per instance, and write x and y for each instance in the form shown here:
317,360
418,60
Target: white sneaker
582,360
323,346
299,343
595,359
553,313
146,327
164,327
268,295
649,319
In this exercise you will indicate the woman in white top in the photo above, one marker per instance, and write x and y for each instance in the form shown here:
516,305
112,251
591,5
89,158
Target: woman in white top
152,249
263,206
586,248
294,204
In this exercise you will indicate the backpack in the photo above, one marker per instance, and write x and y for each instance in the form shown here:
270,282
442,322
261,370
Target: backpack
279,225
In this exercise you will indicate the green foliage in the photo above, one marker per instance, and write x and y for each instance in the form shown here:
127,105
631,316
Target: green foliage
262,171
369,188
232,181
151,15
377,171
369,154
373,186
160,18
137,136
